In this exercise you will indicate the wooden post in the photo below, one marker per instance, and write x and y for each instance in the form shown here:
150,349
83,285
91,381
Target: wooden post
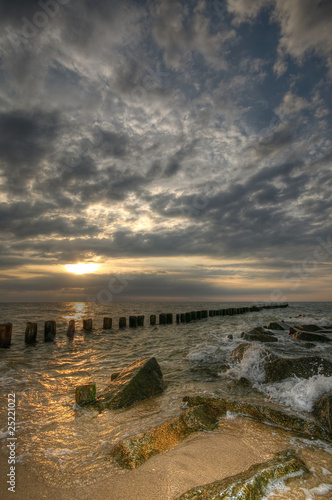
162,319
49,331
30,333
193,315
6,334
71,328
140,320
183,317
85,394
87,325
178,318
132,321
204,314
169,318
199,314
122,322
107,324
188,317
153,319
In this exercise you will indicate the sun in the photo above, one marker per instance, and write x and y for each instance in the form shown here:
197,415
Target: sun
81,268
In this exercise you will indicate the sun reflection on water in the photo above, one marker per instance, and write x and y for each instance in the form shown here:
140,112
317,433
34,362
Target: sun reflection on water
77,311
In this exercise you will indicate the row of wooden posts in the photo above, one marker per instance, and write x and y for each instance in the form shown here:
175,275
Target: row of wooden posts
134,321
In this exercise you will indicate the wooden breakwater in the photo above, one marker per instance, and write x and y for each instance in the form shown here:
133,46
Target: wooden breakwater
133,322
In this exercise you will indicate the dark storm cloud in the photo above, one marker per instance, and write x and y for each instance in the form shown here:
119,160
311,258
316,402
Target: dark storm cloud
143,129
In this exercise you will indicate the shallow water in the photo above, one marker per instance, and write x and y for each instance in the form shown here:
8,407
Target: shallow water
67,444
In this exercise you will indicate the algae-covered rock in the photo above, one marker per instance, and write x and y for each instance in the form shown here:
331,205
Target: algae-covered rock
310,337
277,326
259,335
133,452
309,328
304,367
250,485
323,411
240,351
262,413
140,380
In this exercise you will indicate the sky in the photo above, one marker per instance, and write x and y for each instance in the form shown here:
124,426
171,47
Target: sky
182,147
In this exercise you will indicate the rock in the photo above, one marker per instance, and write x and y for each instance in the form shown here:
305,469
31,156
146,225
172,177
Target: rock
309,328
259,335
277,326
262,413
85,394
251,484
140,380
323,411
292,330
134,451
244,382
114,375
304,367
239,352
310,337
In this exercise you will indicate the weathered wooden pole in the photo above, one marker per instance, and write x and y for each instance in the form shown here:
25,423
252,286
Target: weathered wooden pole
85,394
193,315
177,318
107,324
132,321
188,317
205,314
153,319
140,320
122,322
169,318
6,330
31,333
162,319
87,324
199,314
71,328
49,331
183,317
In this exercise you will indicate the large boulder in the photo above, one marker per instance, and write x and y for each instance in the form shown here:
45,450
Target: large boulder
240,351
310,337
259,334
309,328
304,367
277,326
134,451
140,380
265,413
323,411
252,483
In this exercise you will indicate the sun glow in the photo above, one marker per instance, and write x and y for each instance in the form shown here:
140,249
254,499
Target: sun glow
81,268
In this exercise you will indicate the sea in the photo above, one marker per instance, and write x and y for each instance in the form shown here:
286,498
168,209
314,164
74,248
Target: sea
69,445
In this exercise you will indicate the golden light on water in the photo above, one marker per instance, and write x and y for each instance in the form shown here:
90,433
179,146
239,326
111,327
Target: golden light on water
81,268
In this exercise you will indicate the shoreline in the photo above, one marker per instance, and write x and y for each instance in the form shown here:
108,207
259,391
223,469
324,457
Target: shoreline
205,457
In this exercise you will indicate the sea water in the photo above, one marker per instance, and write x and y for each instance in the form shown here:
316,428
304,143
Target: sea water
68,444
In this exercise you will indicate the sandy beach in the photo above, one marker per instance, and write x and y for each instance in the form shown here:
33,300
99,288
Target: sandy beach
202,458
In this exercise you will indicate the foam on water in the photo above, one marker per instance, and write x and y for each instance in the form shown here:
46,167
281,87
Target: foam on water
297,393
320,490
251,365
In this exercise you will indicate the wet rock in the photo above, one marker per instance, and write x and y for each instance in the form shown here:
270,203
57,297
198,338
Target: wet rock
304,367
140,380
244,382
323,411
258,334
114,375
85,394
310,337
292,330
277,326
251,484
309,328
239,352
262,413
133,452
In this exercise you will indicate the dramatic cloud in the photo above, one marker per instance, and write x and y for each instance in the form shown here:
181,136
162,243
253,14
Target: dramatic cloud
184,144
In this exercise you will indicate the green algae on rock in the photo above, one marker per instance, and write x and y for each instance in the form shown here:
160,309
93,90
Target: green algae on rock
85,394
251,484
262,413
304,367
134,451
140,380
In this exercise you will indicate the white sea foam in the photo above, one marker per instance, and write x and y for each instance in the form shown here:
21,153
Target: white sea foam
298,393
320,490
251,365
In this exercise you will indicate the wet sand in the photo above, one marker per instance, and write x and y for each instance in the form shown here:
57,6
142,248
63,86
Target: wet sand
202,458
